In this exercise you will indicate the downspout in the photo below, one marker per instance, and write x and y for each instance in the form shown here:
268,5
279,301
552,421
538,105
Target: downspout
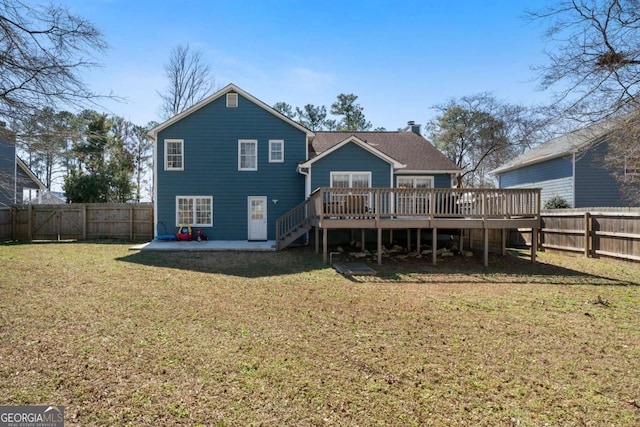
307,191
155,183
573,179
307,180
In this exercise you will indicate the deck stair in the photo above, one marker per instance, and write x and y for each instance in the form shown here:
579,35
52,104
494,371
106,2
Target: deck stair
293,225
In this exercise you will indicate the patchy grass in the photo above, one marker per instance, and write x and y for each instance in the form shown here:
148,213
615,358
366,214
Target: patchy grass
128,338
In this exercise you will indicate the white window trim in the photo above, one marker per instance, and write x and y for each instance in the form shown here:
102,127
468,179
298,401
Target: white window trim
331,174
193,200
271,142
247,141
166,158
232,100
413,178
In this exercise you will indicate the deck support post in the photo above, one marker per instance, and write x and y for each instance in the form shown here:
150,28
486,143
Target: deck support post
317,239
418,239
324,245
503,247
379,246
362,240
408,240
486,247
434,245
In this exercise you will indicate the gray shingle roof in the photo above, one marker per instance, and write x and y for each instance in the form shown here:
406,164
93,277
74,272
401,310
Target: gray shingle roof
566,144
408,148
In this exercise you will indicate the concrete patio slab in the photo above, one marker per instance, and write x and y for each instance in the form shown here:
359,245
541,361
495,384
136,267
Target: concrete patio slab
206,245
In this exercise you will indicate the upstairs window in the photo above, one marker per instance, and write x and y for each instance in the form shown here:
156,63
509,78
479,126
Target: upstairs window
247,155
173,154
276,151
232,100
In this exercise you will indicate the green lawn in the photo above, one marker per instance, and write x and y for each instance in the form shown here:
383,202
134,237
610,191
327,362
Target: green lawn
120,337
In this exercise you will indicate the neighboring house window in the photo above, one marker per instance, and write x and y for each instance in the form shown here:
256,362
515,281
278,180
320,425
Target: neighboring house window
351,179
173,154
276,151
247,155
631,167
194,210
232,100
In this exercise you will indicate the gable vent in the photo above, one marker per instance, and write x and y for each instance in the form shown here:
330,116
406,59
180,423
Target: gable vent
232,100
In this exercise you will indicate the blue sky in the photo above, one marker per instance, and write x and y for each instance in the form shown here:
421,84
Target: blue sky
399,57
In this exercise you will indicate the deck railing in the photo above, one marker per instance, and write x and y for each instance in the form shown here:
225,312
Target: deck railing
373,203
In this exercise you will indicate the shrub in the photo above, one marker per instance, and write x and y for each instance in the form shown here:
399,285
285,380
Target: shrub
556,202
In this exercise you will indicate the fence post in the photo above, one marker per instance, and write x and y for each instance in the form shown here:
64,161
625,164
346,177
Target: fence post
587,234
59,222
29,222
84,221
14,222
131,222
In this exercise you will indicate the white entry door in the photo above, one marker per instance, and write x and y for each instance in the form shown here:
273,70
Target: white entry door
257,218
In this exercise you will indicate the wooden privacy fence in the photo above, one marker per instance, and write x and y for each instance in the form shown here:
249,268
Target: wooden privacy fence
5,224
77,222
612,232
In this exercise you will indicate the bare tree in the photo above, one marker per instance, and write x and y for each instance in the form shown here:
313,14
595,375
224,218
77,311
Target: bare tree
44,51
594,53
190,81
479,132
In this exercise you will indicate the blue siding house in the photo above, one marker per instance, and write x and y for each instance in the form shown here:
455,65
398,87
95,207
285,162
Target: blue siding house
231,165
571,166
15,175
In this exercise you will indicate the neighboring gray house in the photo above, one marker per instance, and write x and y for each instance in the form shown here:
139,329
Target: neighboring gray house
49,198
15,176
571,166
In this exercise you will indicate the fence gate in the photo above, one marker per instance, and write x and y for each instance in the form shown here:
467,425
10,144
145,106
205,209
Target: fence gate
82,221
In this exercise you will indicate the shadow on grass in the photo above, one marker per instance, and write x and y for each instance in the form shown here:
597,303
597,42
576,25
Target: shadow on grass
514,268
233,263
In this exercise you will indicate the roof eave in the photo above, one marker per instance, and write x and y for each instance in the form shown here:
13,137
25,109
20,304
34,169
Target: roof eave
153,133
396,164
531,162
30,174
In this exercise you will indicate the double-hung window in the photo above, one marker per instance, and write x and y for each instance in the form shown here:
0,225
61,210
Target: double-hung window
173,154
632,167
276,151
247,155
194,210
352,202
351,179
411,202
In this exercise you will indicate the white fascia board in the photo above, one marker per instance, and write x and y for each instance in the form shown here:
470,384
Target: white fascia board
361,144
22,165
153,133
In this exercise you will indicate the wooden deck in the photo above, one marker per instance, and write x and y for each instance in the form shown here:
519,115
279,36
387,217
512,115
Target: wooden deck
402,208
